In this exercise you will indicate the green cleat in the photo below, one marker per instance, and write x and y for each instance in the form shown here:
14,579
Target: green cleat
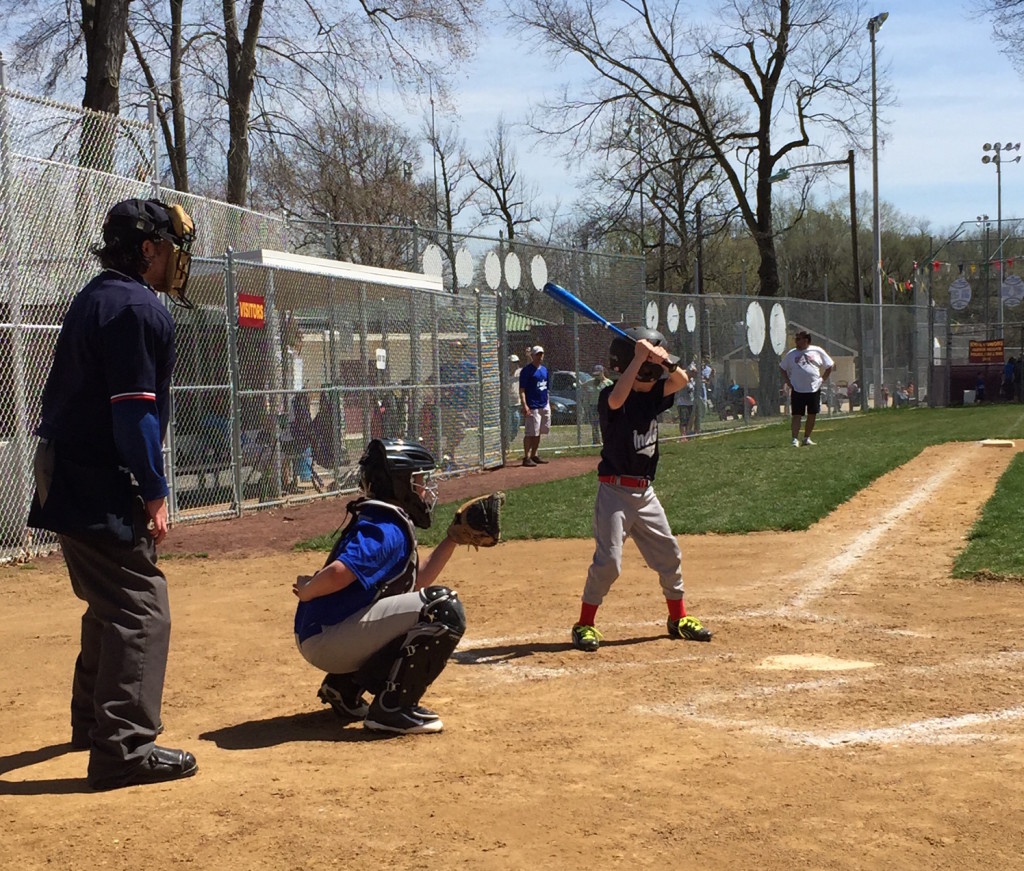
585,638
688,628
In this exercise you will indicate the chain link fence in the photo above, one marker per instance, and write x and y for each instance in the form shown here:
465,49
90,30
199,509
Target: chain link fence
290,363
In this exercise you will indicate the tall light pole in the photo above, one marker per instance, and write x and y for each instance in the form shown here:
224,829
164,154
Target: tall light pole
874,25
783,174
984,222
998,159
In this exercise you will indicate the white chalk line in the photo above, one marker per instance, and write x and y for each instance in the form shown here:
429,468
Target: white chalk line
937,730
836,567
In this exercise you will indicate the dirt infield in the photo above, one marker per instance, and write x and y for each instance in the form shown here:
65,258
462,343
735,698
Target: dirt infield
857,709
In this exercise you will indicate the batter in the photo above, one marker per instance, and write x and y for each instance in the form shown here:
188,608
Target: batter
626,503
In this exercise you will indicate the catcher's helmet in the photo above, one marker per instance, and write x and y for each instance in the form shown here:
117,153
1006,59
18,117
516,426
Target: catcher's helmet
130,222
620,354
386,470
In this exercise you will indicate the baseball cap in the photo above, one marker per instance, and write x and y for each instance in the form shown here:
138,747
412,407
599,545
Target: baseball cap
536,349
597,370
802,334
513,358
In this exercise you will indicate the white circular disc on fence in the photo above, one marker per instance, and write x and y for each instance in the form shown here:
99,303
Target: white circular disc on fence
755,328
959,294
513,271
464,268
672,317
492,270
777,329
538,272
691,317
1013,291
651,315
432,261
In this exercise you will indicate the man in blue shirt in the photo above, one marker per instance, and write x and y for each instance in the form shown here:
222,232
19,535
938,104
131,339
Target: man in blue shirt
100,486
372,617
533,399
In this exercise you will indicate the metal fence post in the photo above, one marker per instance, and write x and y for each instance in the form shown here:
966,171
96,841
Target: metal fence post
480,377
415,400
155,150
9,254
231,328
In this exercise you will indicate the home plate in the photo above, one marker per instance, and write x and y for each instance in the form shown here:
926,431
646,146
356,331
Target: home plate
812,662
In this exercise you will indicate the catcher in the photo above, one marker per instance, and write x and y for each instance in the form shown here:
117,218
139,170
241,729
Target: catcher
373,618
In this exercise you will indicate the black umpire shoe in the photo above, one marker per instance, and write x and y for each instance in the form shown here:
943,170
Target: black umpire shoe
161,765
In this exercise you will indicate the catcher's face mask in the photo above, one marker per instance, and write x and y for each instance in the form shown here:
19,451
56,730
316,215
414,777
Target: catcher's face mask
424,486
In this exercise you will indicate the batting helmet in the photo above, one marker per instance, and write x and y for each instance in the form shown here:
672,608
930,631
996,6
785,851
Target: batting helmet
621,353
386,470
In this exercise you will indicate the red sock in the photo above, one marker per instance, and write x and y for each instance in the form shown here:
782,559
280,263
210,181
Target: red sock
676,609
588,613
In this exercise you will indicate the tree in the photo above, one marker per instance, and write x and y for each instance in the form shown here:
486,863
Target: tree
505,197
1007,27
259,83
765,83
352,165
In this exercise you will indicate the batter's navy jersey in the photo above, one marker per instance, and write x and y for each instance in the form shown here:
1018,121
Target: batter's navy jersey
376,547
630,432
116,343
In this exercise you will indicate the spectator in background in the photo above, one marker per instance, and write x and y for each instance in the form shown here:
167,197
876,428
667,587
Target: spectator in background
457,377
979,387
533,399
853,394
590,392
301,428
805,368
901,400
1009,368
684,402
513,398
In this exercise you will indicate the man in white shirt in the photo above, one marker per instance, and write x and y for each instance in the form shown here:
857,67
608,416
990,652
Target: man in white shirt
805,368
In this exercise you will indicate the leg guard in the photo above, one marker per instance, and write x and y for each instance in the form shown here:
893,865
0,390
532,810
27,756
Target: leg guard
423,653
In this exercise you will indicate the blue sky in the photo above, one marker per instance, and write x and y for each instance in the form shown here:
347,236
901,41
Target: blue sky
954,92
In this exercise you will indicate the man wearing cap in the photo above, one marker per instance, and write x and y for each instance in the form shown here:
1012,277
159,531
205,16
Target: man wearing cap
533,400
805,368
513,397
100,486
591,392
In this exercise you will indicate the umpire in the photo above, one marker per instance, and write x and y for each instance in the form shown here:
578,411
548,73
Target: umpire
100,486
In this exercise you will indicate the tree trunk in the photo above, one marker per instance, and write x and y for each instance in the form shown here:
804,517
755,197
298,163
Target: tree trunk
241,61
104,24
176,148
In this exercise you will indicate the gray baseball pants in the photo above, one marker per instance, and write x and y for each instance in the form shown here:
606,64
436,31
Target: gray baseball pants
621,512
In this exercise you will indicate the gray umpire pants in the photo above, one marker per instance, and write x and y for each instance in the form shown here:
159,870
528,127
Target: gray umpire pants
126,629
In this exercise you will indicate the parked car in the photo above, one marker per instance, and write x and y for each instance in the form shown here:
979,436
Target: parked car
563,410
565,382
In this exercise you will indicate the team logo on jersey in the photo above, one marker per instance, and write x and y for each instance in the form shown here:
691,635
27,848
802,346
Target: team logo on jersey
542,384
644,443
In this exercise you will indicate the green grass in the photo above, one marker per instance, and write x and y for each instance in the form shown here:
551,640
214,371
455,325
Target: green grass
755,480
996,548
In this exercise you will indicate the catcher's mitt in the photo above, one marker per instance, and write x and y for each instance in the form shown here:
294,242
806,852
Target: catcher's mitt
478,521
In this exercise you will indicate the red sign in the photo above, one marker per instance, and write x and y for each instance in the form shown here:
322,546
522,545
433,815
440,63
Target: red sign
251,311
987,352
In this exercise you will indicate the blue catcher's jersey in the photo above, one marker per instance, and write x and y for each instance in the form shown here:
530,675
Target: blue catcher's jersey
379,547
